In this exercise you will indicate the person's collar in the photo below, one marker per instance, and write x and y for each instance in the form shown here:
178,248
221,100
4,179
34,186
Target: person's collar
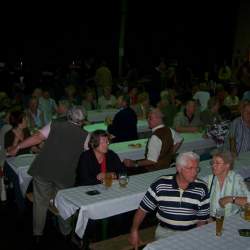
175,183
157,127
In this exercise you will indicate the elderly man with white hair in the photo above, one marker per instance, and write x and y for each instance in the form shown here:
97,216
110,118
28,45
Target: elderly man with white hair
181,201
55,166
160,148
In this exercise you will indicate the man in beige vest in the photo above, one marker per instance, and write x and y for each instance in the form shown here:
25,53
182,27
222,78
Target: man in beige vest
159,148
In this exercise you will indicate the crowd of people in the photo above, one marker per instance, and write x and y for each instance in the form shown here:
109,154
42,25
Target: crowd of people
68,156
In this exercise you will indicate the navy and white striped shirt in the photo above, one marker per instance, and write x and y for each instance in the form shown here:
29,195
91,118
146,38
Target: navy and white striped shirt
177,209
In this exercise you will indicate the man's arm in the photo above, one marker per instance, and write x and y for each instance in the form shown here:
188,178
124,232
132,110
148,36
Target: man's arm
134,237
33,140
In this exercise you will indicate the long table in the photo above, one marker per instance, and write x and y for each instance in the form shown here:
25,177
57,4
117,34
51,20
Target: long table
204,237
142,126
116,200
99,115
193,142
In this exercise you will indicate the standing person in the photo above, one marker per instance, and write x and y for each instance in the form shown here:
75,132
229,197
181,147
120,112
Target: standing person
54,168
181,201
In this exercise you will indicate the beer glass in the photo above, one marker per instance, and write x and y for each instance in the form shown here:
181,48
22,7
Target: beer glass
247,211
108,179
219,216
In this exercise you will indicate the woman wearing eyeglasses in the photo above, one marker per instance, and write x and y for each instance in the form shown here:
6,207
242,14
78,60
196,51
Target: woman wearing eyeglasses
224,182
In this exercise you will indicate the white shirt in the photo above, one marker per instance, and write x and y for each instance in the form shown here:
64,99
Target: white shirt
154,144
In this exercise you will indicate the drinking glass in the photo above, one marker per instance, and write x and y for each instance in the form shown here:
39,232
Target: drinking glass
108,179
123,180
219,216
247,211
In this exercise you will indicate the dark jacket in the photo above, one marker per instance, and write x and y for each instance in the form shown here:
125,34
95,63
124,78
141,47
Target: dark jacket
124,125
88,167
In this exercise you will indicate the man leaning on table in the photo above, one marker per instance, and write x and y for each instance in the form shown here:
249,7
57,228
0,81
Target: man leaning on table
159,149
54,168
181,201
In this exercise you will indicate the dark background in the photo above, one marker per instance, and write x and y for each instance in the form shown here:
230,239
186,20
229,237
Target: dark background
196,33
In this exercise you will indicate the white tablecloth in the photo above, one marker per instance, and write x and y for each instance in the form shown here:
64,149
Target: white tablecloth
118,200
195,142
142,126
100,114
192,142
204,238
20,164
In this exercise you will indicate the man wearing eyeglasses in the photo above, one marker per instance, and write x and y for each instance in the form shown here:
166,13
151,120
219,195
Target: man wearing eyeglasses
181,201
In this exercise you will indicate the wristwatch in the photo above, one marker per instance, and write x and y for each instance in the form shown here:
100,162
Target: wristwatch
233,199
136,164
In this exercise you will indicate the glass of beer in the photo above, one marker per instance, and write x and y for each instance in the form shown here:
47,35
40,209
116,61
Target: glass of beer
247,211
108,179
219,216
123,180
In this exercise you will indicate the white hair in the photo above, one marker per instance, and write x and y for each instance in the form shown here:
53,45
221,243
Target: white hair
75,115
182,158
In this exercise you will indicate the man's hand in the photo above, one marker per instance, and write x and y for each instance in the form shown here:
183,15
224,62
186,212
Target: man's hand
128,163
134,239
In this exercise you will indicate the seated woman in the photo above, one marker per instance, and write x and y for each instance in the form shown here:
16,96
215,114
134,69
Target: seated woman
18,133
224,182
89,101
142,108
98,160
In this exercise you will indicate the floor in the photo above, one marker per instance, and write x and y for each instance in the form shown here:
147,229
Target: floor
16,229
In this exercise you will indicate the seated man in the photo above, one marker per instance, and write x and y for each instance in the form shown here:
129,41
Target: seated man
159,149
181,201
124,125
98,160
188,120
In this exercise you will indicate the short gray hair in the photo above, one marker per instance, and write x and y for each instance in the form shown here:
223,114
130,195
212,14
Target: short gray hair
226,156
182,158
75,115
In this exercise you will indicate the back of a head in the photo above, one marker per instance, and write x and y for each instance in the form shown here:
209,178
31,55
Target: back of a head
75,115
225,113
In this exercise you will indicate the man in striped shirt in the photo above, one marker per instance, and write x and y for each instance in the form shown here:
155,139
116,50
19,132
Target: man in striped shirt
181,201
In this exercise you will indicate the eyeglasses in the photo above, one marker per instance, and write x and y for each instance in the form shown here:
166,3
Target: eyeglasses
216,163
194,169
